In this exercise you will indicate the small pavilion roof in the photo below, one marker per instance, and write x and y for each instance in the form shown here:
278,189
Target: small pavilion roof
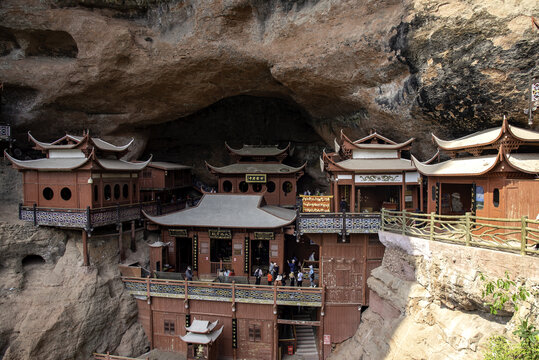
67,164
487,137
253,168
202,326
528,163
386,143
45,164
371,165
258,150
458,167
168,165
97,142
194,338
228,211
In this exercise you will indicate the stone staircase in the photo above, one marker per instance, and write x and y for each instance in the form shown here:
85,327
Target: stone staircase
306,340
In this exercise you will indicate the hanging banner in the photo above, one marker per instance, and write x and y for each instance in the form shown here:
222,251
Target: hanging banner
255,178
315,203
195,252
535,91
246,256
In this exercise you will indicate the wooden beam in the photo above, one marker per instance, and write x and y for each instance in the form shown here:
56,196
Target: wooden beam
133,246
298,322
120,246
86,258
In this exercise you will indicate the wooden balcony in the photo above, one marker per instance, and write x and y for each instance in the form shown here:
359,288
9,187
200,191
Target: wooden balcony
338,223
89,219
241,293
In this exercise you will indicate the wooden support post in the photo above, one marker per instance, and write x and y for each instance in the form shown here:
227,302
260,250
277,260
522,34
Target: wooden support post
133,242
421,207
336,198
234,350
149,301
468,228
431,232
120,246
321,328
275,349
523,235
403,192
353,197
403,217
86,260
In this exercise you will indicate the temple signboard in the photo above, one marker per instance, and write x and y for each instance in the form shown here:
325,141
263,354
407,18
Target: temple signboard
219,234
316,203
264,235
177,232
255,178
378,178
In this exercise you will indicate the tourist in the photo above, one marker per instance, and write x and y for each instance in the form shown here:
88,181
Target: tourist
275,270
300,279
343,205
258,275
271,266
283,281
311,276
292,278
311,258
292,265
270,278
188,274
279,280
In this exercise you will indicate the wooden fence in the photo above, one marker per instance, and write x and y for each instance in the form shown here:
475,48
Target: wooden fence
512,235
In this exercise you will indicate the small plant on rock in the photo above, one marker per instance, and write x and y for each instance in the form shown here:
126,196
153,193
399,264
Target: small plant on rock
505,290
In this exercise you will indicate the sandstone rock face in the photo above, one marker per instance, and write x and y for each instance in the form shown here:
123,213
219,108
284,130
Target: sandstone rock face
403,67
425,302
53,307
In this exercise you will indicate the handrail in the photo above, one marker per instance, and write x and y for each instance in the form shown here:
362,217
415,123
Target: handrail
504,234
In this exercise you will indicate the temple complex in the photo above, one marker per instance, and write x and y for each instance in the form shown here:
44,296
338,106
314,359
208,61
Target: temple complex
259,170
491,173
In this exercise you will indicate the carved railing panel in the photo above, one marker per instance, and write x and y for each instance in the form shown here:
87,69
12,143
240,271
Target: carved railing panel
250,294
317,223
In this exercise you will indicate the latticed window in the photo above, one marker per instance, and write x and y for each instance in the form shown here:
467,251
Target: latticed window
254,332
169,327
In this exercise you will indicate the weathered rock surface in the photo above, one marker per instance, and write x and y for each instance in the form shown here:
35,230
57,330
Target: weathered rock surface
403,67
53,307
425,302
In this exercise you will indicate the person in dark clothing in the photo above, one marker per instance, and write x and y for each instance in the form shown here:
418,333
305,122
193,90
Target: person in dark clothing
258,275
343,205
188,274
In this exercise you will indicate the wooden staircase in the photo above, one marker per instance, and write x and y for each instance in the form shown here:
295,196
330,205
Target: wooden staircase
306,340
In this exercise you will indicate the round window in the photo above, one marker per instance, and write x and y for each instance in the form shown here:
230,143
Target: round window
116,192
125,191
270,186
243,186
48,194
227,186
287,187
257,187
65,193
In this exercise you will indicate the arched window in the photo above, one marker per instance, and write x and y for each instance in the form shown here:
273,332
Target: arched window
125,191
48,194
116,192
243,186
287,187
65,193
270,186
496,197
107,192
227,186
257,187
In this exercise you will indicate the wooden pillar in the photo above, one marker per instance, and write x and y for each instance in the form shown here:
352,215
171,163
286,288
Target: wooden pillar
234,350
86,259
321,329
403,190
120,235
335,196
353,196
275,349
133,242
421,194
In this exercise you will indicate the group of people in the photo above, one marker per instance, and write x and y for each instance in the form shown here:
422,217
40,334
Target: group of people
295,276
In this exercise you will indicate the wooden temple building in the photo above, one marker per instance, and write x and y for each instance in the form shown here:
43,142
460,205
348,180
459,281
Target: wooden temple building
259,169
491,173
371,173
82,183
165,181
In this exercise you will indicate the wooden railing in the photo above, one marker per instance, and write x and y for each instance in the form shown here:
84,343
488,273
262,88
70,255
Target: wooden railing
513,235
107,356
241,293
91,218
338,223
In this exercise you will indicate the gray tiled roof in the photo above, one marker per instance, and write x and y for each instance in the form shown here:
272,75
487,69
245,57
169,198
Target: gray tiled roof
168,165
258,150
228,211
262,168
377,165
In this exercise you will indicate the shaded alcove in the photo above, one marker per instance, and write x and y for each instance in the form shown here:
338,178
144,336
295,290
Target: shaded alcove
32,261
200,137
37,42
